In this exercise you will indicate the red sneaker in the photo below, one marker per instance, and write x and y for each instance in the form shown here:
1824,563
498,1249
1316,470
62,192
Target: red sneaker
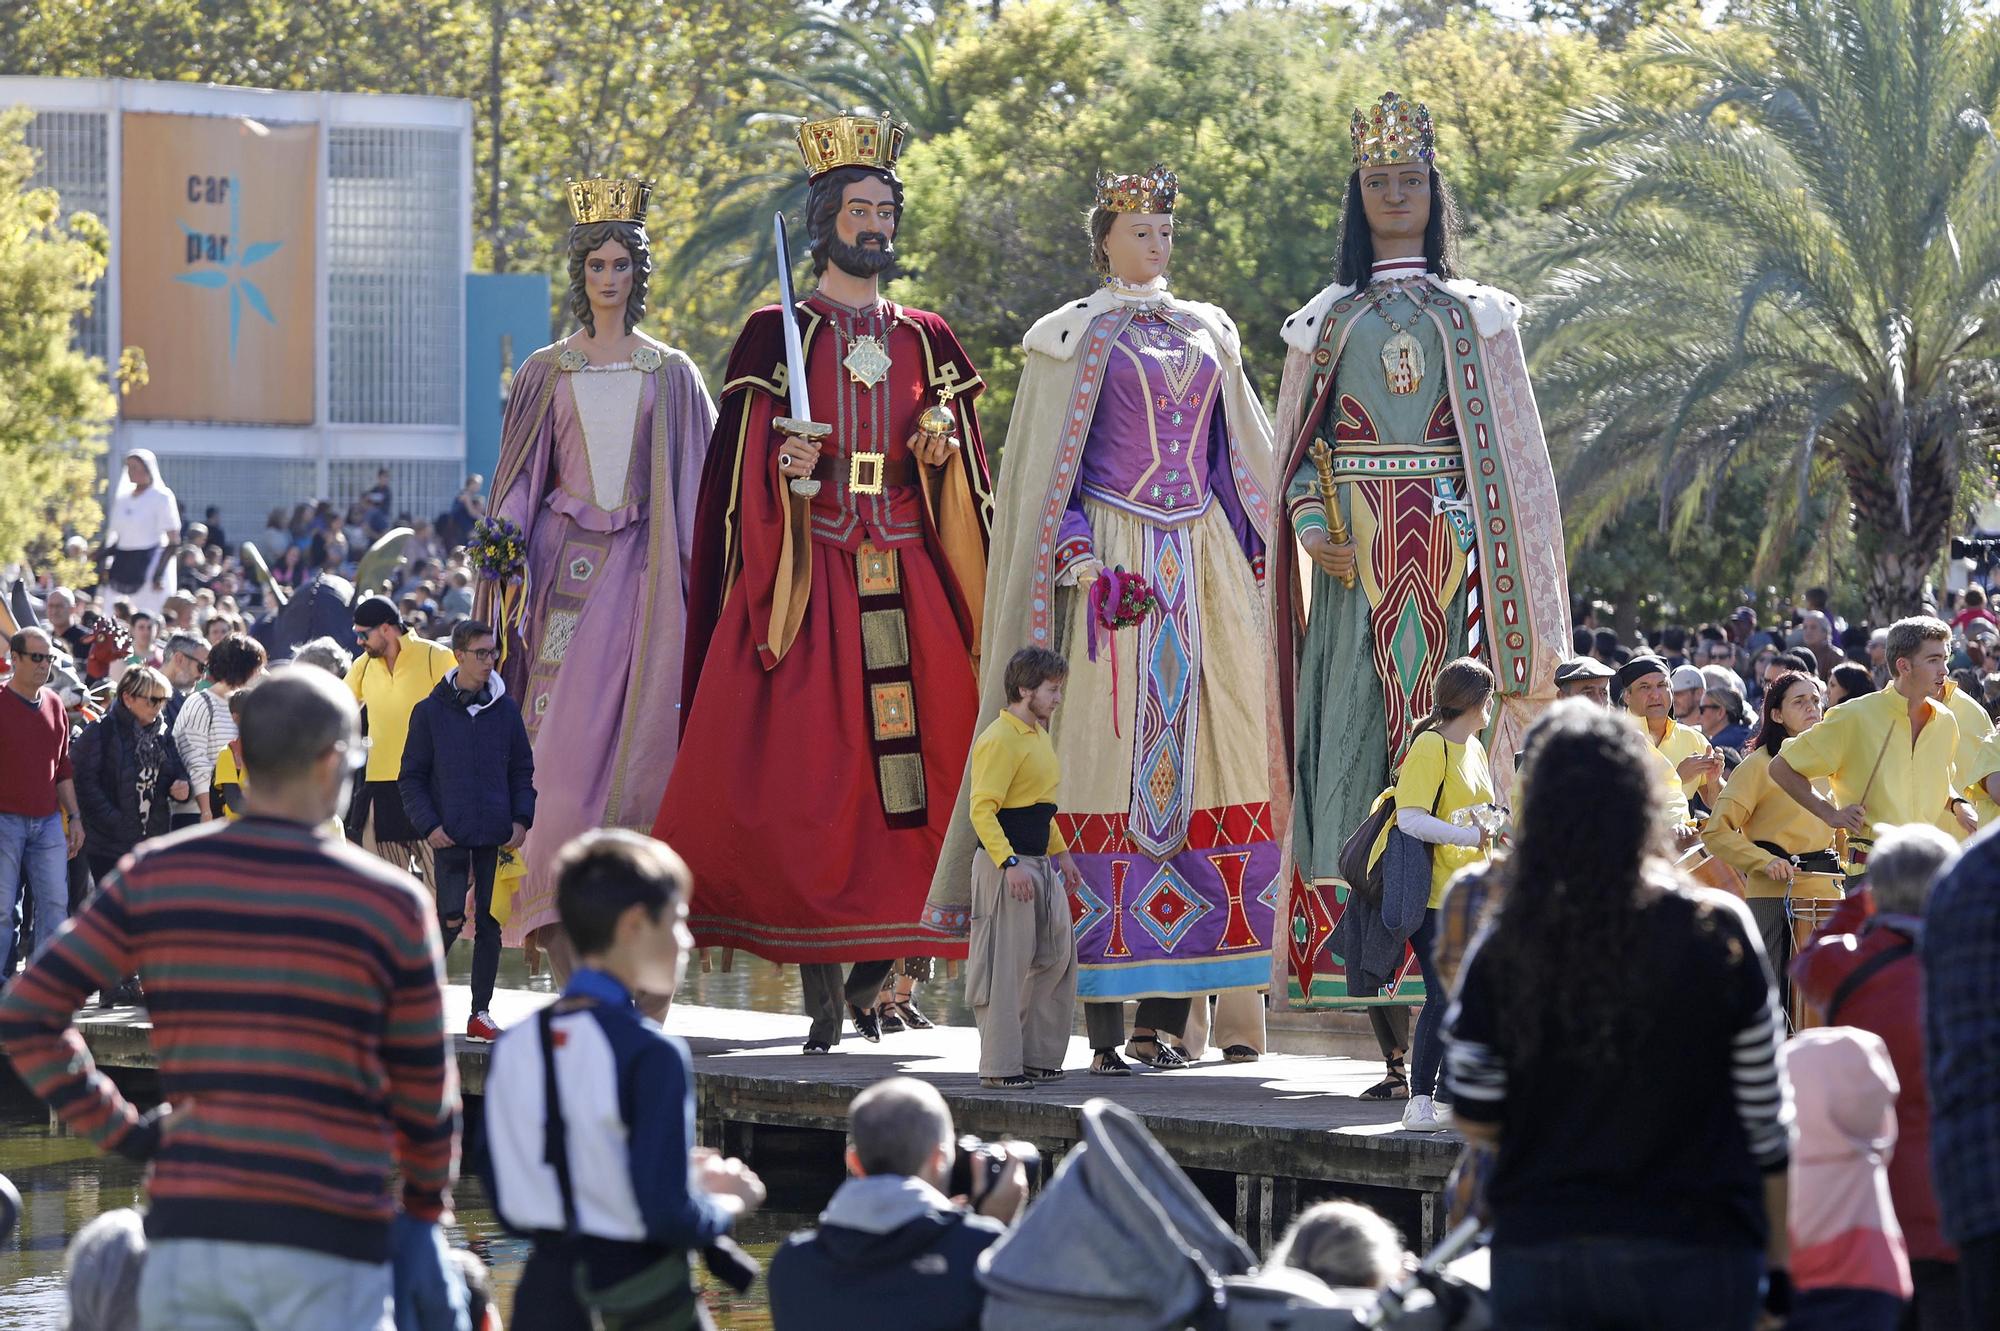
482,1029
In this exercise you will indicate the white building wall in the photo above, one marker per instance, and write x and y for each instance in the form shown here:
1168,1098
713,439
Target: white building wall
395,228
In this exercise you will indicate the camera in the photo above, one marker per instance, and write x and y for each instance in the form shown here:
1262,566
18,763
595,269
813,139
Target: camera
1979,549
979,1165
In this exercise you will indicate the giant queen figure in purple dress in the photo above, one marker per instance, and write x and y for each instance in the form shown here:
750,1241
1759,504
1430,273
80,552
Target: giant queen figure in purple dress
600,458
1138,444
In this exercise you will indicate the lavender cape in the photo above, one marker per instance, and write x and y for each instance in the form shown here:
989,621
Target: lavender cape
595,657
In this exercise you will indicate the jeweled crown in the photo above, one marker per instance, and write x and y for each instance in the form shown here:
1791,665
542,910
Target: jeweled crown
1393,130
1151,192
841,141
603,200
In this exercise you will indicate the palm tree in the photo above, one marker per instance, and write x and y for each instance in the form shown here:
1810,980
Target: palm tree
1805,263
826,65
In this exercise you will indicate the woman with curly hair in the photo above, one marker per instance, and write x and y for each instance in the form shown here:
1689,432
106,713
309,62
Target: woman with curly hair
1615,1039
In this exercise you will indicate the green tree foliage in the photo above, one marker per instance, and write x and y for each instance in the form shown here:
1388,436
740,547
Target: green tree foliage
1801,265
1248,104
54,406
1758,254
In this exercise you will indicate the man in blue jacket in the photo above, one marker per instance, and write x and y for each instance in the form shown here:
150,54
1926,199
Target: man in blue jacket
468,785
891,1249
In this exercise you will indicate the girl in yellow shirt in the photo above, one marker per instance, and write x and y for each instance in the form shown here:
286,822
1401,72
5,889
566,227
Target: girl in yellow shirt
1782,849
1443,778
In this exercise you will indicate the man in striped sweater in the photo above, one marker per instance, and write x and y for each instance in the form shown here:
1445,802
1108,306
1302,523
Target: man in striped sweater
298,1018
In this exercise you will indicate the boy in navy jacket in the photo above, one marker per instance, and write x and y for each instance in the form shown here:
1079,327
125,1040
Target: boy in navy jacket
468,784
590,1109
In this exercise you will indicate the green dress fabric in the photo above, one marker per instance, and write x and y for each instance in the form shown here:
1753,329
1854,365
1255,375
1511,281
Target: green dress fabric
1341,758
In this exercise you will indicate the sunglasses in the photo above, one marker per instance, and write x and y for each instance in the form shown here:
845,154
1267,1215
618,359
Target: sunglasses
39,658
157,699
1710,707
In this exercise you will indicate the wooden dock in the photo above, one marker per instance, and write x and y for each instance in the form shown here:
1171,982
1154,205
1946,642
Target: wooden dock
1286,1130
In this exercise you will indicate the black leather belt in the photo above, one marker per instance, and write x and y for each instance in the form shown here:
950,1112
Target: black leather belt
1812,861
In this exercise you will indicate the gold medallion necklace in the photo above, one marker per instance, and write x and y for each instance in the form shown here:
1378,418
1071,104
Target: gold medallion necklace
1402,355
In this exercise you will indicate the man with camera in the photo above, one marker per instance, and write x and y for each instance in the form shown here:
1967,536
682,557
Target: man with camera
899,1243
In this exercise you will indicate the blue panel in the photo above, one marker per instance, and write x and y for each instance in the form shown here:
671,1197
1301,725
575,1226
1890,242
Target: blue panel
506,318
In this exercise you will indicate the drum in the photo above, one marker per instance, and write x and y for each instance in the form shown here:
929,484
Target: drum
1807,914
1706,869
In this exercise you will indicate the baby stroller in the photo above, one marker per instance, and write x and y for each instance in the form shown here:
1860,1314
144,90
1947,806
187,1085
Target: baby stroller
1120,1240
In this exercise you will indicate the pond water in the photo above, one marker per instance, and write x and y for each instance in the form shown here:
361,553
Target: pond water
64,1182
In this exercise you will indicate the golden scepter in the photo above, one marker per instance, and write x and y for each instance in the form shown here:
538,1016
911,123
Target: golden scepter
1336,526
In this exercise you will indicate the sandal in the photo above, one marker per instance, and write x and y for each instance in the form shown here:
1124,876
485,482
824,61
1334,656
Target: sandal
1017,1082
816,1047
886,1017
1239,1053
912,1018
1165,1057
1106,1063
1394,1086
866,1024
1045,1074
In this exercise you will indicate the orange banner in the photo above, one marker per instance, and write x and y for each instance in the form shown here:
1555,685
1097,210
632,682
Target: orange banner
216,241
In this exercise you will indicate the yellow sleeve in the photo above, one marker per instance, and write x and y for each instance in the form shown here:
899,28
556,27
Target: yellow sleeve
1819,750
1723,833
354,676
1421,779
1985,762
993,764
1692,742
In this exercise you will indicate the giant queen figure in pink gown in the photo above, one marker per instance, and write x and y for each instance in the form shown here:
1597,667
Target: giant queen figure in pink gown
600,458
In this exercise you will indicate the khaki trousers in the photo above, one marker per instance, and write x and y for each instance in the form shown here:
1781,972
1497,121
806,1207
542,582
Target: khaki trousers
1020,974
1239,1019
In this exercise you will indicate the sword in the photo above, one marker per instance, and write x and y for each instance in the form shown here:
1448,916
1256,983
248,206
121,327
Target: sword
800,424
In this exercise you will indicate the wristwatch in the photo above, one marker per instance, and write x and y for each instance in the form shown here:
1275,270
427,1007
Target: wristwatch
1010,862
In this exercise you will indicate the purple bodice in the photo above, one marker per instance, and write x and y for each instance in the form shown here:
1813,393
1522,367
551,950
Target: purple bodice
1147,450
1159,442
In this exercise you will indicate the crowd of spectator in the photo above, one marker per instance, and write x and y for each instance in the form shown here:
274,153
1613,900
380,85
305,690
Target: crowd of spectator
1643,1135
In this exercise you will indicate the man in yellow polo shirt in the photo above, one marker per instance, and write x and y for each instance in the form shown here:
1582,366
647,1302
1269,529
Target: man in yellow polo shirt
395,674
1687,764
1891,756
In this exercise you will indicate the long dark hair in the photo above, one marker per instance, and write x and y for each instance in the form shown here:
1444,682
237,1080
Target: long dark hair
1771,731
584,240
1588,839
823,198
1357,243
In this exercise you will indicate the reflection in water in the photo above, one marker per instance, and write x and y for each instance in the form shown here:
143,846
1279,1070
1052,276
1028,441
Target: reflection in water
65,1182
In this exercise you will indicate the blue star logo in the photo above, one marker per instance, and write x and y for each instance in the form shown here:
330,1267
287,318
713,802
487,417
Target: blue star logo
228,271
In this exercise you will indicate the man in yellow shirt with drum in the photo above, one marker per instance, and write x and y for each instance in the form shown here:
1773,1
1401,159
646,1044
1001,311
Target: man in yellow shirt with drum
1891,756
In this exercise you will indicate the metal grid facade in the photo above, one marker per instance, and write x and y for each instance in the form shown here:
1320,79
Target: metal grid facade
245,489
395,293
74,161
421,489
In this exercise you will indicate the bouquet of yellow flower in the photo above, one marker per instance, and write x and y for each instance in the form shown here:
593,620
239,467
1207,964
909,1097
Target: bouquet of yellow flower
498,549
498,553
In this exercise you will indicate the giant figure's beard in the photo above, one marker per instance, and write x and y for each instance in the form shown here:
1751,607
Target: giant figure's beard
858,260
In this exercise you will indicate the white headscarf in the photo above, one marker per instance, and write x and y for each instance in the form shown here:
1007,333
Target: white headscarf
152,466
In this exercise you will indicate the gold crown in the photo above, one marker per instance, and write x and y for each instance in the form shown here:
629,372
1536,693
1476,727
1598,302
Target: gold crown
602,200
850,141
1152,192
1393,130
